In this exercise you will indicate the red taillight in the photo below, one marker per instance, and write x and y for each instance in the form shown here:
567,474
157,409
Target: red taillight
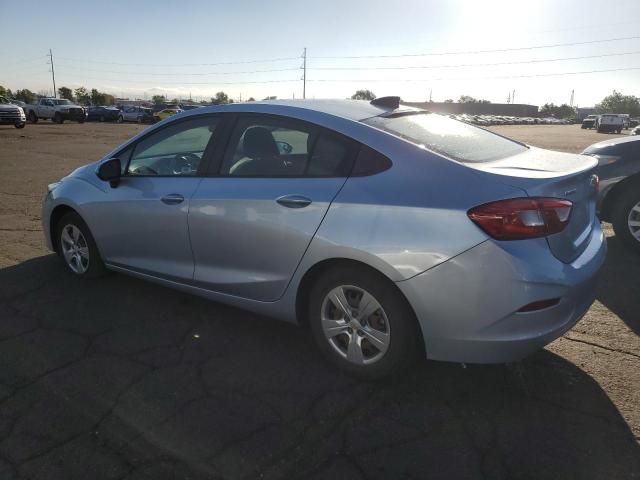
520,218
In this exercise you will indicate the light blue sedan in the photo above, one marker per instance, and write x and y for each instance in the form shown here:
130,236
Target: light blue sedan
390,232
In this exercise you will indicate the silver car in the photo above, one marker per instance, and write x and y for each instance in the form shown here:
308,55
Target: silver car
390,232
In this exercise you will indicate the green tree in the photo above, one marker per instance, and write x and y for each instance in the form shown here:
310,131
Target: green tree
468,99
65,92
363,95
251,99
221,98
3,91
82,95
448,100
557,111
158,99
619,103
270,98
25,95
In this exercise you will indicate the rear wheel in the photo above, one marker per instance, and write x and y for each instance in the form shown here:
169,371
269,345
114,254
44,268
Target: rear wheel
120,119
33,118
362,323
58,118
77,248
625,217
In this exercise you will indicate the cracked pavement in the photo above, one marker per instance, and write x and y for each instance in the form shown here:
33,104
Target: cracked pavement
117,378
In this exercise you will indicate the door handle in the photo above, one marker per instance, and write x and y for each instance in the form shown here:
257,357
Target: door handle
293,201
172,199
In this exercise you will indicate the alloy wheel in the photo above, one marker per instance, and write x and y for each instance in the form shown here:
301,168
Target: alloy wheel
355,325
74,249
633,221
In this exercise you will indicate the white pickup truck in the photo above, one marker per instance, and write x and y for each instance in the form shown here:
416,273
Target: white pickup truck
57,109
11,114
609,122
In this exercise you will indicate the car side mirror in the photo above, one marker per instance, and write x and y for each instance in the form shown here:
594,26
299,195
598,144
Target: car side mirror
110,171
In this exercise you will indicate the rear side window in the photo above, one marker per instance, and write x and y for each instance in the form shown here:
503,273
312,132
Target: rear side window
332,157
457,140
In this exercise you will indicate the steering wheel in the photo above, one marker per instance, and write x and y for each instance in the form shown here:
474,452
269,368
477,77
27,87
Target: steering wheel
185,164
143,170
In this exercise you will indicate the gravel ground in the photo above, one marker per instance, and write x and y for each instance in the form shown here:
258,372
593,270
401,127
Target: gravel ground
122,379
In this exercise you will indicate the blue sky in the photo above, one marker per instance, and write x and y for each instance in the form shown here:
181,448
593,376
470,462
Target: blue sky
142,48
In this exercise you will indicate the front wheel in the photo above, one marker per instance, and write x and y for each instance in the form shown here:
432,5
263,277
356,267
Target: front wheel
362,323
33,118
20,125
120,119
57,118
77,248
625,217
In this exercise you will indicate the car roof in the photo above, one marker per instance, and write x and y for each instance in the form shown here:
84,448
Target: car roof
347,109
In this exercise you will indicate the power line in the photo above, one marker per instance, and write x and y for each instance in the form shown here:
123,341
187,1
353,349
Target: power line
521,62
176,74
191,83
474,78
469,52
243,62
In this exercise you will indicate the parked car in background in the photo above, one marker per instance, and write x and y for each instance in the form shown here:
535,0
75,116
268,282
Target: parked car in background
619,197
18,103
166,113
56,109
11,114
635,130
136,114
634,122
103,114
609,122
589,122
391,232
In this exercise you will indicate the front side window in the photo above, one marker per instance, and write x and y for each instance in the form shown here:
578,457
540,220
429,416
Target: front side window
457,140
177,149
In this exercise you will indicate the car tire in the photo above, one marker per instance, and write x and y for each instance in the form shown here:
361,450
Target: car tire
33,118
120,119
57,118
82,120
102,118
77,248
393,324
20,125
626,210
140,120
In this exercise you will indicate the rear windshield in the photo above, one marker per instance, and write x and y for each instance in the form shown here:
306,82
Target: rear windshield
457,140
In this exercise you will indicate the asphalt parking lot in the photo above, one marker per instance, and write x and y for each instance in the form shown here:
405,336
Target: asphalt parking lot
121,379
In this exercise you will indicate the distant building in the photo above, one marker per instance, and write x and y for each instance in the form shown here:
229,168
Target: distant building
509,109
585,112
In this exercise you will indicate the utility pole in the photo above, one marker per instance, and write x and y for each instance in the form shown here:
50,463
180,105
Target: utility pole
509,98
571,101
430,95
304,73
513,96
53,74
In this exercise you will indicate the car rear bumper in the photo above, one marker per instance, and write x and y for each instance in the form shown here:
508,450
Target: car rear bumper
468,306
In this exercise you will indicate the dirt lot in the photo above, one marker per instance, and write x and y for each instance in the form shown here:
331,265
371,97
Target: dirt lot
119,378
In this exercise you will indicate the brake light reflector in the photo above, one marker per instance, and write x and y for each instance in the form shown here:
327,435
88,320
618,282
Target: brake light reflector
521,218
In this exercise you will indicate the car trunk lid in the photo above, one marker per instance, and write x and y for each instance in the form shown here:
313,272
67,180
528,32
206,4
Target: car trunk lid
544,173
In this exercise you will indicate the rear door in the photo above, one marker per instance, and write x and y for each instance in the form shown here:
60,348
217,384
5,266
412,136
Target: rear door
251,222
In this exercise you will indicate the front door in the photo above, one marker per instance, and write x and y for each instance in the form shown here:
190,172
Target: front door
251,224
143,222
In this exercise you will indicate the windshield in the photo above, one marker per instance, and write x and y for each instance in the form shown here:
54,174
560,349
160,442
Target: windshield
452,138
62,102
